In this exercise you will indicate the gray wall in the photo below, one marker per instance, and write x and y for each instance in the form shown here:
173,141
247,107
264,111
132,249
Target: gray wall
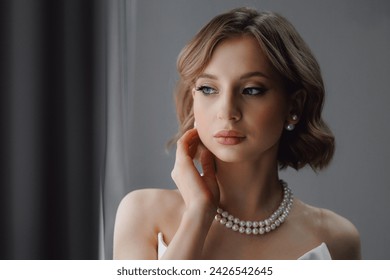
351,40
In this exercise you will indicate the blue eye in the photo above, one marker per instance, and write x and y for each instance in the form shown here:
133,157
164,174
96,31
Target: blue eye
206,90
254,91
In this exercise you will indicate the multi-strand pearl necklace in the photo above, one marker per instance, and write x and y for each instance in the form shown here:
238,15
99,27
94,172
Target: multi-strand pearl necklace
259,227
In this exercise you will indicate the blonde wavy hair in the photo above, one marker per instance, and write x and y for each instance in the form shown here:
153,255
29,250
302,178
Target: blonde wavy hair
311,143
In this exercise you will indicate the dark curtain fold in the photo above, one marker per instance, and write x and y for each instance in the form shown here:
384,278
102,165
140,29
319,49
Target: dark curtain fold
52,128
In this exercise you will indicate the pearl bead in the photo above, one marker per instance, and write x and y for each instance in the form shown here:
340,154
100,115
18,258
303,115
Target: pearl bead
290,127
236,220
241,229
218,217
243,223
235,227
255,224
219,211
230,218
229,224
248,231
261,224
248,223
255,231
223,221
225,214
262,230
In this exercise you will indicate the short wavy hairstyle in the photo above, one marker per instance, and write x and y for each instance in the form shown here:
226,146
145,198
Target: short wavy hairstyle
311,143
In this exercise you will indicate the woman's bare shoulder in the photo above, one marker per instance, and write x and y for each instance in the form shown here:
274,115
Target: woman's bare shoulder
147,204
140,216
339,234
343,238
151,196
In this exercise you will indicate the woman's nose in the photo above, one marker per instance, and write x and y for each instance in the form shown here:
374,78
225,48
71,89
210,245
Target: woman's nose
228,108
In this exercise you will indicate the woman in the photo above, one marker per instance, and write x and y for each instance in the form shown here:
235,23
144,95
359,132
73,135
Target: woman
249,102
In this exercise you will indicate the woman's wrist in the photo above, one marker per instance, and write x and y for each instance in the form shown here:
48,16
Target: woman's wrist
189,239
203,214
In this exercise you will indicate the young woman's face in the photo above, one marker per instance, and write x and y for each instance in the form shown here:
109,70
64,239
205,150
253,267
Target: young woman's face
240,106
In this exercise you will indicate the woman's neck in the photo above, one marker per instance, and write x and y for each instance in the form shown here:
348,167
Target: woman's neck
249,190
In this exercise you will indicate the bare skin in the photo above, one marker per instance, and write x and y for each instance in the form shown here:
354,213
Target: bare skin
237,93
143,214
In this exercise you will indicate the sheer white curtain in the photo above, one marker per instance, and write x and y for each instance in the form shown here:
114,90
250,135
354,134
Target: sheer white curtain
142,46
120,59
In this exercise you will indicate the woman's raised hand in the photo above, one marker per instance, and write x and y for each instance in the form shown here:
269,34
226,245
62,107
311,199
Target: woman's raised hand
199,191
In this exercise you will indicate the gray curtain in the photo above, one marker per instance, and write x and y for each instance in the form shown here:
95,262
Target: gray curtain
52,127
67,74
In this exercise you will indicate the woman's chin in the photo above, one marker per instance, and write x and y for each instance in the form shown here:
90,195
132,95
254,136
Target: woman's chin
229,157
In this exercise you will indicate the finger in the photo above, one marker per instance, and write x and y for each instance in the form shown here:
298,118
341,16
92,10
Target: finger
193,147
187,144
208,163
188,138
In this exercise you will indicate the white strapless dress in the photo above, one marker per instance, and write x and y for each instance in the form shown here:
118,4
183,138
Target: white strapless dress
320,252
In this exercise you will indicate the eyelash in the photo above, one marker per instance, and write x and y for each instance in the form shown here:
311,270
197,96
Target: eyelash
203,90
259,90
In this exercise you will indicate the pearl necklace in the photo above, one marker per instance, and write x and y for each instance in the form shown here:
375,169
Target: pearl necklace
259,227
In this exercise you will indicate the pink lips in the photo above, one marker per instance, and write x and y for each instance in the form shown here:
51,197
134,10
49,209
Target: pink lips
229,137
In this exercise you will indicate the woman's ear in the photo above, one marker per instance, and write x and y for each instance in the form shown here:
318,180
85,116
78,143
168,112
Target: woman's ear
297,103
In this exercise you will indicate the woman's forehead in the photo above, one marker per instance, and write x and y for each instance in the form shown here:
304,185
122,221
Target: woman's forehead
240,57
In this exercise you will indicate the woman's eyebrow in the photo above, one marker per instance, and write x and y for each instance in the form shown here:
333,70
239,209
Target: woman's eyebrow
254,74
243,77
208,76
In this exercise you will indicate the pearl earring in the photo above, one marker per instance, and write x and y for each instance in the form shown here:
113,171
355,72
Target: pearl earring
290,127
194,124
